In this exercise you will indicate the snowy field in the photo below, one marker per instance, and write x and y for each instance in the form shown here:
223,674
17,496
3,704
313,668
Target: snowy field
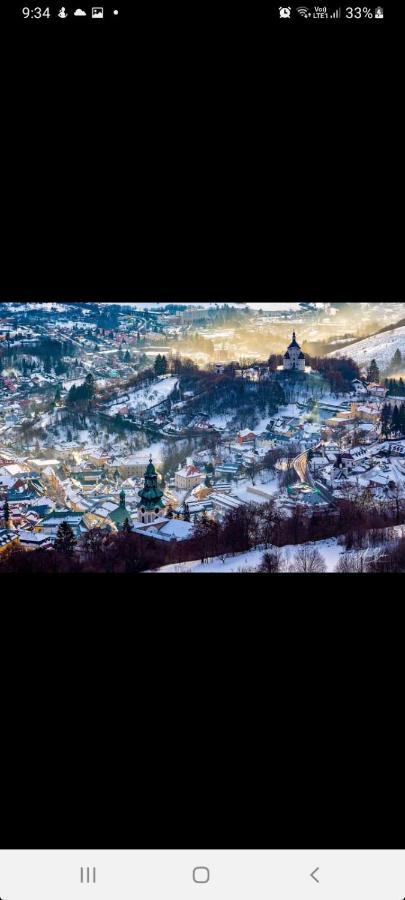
331,549
147,397
381,347
251,559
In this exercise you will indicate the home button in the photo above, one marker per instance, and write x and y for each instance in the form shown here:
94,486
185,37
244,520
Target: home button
201,875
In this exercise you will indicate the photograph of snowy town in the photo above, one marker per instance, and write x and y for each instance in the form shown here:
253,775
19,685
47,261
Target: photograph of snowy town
153,437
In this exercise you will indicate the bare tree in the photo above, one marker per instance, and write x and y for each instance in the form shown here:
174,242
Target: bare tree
353,562
397,494
308,560
272,561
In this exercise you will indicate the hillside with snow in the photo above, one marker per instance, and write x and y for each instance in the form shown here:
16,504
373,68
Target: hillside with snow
142,399
380,347
330,549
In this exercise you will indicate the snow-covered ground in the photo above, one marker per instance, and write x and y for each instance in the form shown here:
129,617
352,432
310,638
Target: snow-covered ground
329,549
146,397
263,482
221,421
380,347
76,382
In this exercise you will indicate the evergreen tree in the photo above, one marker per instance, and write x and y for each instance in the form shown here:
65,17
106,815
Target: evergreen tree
72,395
60,367
396,360
186,512
373,373
65,540
89,382
6,513
386,415
395,421
401,419
159,365
47,365
127,527
58,394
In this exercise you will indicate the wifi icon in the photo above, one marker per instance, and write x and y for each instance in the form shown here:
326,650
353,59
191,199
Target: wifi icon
303,11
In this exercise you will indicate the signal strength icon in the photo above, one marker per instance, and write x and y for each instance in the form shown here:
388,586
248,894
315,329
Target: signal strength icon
337,14
303,11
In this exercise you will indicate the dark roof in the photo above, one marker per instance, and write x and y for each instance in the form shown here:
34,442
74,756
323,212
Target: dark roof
301,356
64,515
287,355
294,343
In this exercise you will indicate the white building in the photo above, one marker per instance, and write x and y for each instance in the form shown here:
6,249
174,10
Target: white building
187,478
294,358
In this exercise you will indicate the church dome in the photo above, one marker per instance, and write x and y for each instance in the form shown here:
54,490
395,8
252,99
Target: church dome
150,471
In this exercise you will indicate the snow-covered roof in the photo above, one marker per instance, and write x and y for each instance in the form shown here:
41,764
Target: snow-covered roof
13,469
189,472
32,537
167,529
44,463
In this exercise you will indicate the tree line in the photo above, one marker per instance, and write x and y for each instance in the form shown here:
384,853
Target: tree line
361,519
393,420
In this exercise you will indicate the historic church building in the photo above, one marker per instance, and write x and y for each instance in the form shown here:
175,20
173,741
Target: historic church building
294,358
151,503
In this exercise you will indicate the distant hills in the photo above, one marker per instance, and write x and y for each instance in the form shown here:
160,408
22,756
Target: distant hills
380,347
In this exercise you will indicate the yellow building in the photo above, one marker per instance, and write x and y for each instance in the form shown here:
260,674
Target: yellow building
367,412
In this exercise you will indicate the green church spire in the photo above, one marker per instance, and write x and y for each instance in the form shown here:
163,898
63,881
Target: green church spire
150,495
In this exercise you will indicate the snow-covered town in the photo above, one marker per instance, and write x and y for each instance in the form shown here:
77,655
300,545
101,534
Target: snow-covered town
202,438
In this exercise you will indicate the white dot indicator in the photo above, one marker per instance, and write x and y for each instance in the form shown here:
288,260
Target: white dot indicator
116,12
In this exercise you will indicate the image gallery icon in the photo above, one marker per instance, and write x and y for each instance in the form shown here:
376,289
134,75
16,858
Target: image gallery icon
97,12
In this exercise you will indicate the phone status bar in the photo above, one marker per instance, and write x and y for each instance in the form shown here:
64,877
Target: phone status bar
46,13
333,13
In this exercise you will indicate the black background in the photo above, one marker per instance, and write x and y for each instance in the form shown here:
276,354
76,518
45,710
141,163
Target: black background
199,155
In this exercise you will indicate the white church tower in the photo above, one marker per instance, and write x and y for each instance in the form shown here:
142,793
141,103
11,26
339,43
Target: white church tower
294,358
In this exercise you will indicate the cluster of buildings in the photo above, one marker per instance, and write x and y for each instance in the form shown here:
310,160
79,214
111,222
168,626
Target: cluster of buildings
337,441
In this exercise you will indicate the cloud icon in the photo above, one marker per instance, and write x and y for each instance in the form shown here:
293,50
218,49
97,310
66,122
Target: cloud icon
80,12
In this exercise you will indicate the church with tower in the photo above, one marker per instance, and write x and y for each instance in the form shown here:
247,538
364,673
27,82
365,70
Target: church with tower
294,358
151,503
